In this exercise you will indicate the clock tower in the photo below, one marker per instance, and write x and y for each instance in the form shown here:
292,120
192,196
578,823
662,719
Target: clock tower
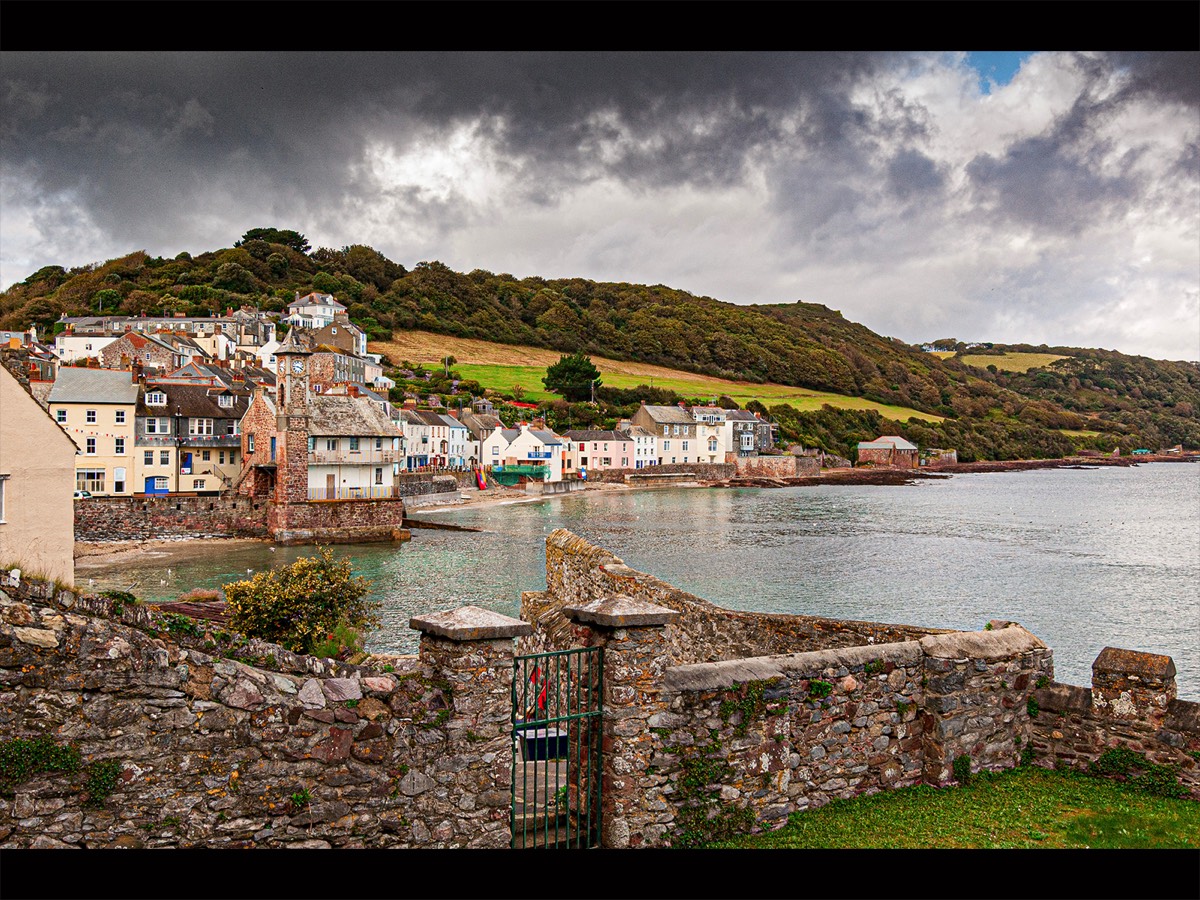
291,423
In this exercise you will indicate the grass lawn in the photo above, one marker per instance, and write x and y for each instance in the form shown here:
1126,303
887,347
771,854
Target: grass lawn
1024,808
500,366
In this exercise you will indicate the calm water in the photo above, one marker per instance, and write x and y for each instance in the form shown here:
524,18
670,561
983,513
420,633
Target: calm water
1082,558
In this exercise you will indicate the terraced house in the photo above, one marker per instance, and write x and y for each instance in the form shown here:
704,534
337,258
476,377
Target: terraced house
97,409
188,438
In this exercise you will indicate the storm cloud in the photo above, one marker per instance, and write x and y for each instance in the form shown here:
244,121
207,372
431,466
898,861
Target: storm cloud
1062,207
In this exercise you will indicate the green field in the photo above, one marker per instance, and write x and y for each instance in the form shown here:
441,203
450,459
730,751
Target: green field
502,378
1010,362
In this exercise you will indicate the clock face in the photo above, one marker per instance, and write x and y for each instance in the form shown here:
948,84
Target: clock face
297,366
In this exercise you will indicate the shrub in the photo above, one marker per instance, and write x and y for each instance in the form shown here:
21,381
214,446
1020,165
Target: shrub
300,604
962,769
341,643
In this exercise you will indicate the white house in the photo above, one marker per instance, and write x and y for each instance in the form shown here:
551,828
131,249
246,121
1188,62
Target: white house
537,447
315,310
353,448
70,347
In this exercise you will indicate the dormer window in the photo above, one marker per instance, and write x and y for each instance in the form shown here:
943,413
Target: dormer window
225,400
156,398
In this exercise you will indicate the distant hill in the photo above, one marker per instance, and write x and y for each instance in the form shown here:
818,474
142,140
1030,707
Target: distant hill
1091,398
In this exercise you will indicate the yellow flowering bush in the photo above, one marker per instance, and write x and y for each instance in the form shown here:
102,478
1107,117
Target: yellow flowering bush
300,605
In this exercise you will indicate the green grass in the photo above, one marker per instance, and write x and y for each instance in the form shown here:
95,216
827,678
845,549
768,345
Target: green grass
1010,362
502,378
1024,808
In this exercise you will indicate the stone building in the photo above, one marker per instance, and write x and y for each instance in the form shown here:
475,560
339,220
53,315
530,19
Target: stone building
888,450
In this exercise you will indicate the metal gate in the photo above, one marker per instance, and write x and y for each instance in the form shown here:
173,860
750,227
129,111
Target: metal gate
556,749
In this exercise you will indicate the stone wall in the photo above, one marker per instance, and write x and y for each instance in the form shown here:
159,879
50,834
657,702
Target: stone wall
337,521
147,518
580,572
699,471
218,743
785,466
1131,704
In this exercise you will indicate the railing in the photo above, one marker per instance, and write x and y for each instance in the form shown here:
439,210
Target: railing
373,492
365,457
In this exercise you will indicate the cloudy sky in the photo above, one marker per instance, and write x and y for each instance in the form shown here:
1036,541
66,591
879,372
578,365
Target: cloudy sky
1043,197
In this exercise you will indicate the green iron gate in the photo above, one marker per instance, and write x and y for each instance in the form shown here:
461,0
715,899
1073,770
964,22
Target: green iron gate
556,748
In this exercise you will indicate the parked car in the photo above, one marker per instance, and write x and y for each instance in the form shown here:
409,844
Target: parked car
82,495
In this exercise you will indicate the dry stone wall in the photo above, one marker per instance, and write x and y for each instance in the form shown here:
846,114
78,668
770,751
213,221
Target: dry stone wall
268,749
147,518
578,571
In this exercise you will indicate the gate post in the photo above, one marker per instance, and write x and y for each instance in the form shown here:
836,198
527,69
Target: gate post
636,653
468,654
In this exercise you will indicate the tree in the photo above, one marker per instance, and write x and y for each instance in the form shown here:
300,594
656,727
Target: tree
447,362
293,239
299,606
574,377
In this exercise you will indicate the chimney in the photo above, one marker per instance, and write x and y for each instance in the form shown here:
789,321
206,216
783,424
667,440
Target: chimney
682,405
353,389
539,423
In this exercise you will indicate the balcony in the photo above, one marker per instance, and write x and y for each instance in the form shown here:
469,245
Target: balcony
351,457
375,492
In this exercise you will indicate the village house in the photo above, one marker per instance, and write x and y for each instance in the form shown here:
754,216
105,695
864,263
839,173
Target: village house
37,478
151,351
332,365
340,333
645,446
493,447
595,450
675,429
96,408
354,448
70,348
188,438
888,450
436,439
534,446
315,310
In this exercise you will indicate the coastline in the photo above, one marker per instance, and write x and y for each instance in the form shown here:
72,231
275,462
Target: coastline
98,554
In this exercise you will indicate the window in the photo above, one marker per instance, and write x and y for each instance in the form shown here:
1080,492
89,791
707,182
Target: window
60,416
232,427
677,429
118,480
685,443
206,455
378,475
120,417
90,480
225,400
333,330
158,426
666,445
331,443
606,461
90,418
164,457
197,484
232,457
91,447
495,451
119,446
155,398
221,457
148,458
161,483
378,443
712,445
200,427
353,445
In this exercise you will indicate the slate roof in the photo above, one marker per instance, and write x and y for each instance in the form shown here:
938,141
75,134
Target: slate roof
315,299
546,437
76,385
888,441
740,415
669,414
353,416
592,435
195,401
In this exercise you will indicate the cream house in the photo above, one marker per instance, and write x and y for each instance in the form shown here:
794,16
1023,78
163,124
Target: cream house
37,476
97,409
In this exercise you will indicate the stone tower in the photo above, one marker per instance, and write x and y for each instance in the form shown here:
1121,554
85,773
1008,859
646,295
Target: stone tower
291,455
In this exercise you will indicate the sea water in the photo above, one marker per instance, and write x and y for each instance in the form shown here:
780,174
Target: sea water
1083,558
